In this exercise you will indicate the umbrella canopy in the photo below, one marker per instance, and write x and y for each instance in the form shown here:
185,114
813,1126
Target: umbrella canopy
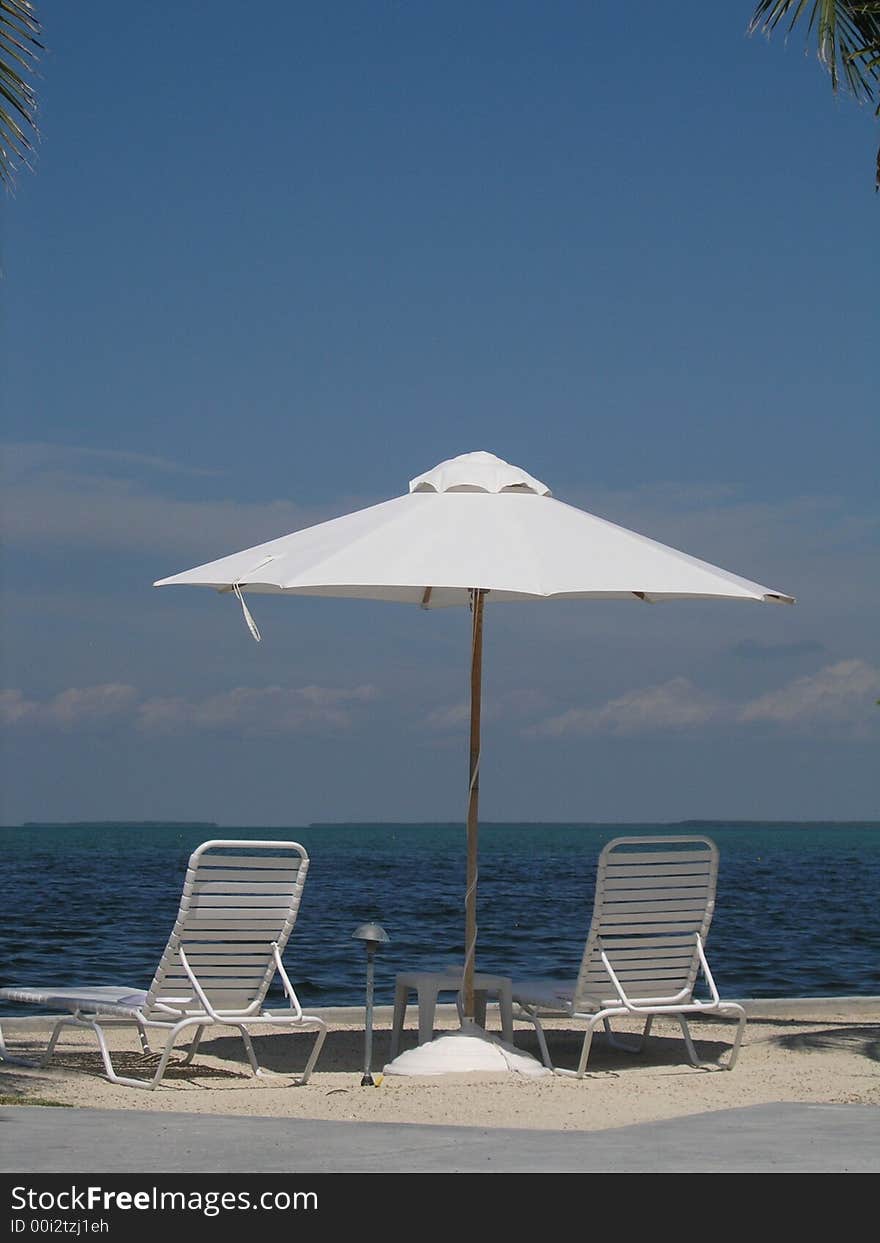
474,522
473,529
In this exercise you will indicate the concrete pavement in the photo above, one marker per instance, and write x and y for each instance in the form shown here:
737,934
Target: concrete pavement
775,1138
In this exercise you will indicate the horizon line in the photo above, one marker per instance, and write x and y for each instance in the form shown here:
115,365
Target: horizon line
730,822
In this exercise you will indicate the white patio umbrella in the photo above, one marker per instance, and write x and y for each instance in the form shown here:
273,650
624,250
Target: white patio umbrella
473,529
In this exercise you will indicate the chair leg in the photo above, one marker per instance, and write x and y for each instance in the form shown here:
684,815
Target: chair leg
585,1050
732,1008
542,1039
53,1039
505,1006
193,1048
41,1059
46,1056
579,1072
249,1049
124,1080
427,994
401,993
310,1064
166,1054
77,1020
316,1049
689,1044
628,1046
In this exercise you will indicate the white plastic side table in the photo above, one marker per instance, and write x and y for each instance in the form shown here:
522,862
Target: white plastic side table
428,984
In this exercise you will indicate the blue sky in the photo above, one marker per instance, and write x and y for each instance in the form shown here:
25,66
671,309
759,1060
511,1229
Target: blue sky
265,273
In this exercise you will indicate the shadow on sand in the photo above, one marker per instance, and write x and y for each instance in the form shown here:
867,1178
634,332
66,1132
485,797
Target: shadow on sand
864,1040
286,1054
344,1051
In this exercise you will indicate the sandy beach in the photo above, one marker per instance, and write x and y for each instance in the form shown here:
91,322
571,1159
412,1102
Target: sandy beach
820,1052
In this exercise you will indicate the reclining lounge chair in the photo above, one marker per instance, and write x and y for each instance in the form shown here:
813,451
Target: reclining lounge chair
644,952
239,904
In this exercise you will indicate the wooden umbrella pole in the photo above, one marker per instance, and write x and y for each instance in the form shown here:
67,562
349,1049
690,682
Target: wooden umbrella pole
470,923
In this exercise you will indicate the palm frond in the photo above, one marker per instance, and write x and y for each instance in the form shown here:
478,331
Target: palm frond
19,49
847,36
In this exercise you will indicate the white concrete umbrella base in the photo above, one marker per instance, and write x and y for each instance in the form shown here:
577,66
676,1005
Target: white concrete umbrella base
471,1049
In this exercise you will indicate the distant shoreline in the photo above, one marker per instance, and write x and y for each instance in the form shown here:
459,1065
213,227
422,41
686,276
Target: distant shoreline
442,824
582,824
114,824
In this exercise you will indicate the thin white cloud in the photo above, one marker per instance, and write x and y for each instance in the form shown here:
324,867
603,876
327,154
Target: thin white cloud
108,501
78,705
676,704
844,692
114,515
245,710
840,694
257,710
30,457
513,705
451,717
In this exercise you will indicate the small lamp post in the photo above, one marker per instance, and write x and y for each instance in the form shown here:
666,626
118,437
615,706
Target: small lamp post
372,935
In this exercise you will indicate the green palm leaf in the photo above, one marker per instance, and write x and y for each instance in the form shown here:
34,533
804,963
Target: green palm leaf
847,36
19,47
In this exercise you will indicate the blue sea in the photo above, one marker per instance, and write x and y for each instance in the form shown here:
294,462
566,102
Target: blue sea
797,909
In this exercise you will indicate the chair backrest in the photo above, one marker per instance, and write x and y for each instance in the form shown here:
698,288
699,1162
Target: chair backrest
238,897
654,895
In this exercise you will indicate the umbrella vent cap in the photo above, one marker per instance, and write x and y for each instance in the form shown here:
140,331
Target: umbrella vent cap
477,472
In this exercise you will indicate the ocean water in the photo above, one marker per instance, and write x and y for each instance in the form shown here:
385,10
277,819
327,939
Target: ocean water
797,910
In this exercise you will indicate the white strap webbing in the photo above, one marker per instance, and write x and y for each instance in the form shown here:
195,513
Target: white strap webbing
251,624
236,587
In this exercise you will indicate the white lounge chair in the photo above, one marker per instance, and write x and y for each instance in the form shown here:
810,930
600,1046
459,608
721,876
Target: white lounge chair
654,901
240,902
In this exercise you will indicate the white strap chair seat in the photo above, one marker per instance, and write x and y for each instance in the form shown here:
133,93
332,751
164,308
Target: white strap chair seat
105,1000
